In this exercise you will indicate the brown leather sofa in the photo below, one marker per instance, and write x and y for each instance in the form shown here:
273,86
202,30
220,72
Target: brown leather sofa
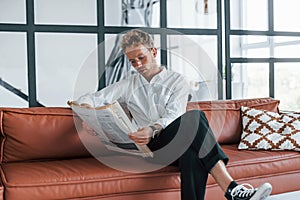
42,157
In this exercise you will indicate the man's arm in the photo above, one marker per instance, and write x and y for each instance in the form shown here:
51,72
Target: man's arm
174,109
177,103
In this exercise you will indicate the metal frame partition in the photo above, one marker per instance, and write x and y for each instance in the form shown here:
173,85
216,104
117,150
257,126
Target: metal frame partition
229,60
30,28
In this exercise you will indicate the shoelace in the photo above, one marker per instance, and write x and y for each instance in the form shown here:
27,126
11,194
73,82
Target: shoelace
243,190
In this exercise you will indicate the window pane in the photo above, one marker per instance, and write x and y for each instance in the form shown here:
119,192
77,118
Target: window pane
287,85
60,59
250,80
287,47
12,11
9,99
265,47
195,57
286,15
192,14
72,12
250,46
132,13
13,66
249,14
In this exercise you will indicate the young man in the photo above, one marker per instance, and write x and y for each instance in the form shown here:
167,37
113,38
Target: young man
157,99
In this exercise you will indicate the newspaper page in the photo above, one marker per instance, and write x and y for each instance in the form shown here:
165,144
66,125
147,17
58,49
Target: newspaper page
112,126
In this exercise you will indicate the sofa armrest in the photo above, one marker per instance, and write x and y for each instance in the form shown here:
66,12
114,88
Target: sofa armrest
1,187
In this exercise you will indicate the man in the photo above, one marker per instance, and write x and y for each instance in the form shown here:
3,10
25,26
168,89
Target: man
157,99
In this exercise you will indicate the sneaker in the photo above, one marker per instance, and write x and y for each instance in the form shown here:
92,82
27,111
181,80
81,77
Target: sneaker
247,192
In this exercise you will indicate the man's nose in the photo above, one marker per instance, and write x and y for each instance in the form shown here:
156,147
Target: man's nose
138,63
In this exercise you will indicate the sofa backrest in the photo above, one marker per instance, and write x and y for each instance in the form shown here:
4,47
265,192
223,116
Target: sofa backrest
51,133
39,133
224,116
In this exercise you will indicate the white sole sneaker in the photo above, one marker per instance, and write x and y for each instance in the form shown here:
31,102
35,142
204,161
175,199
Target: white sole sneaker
262,192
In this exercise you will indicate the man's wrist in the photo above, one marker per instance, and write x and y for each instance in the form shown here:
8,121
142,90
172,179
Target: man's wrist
156,129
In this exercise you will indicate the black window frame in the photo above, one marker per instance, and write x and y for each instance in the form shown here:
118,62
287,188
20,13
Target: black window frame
229,60
30,29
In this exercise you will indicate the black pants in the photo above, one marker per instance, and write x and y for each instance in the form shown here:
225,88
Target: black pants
197,149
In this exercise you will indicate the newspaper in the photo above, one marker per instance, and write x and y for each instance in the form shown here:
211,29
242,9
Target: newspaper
112,125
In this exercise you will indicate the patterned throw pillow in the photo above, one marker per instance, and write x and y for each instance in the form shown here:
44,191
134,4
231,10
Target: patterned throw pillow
269,130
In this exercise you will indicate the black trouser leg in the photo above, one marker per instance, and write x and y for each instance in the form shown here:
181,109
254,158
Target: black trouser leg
193,176
200,151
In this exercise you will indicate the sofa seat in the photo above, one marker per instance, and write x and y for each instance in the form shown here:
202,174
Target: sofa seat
74,178
281,168
260,163
86,177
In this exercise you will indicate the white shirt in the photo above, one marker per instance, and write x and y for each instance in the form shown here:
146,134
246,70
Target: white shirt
159,102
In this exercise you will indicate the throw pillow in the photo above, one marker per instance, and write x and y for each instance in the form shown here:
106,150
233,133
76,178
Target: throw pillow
270,131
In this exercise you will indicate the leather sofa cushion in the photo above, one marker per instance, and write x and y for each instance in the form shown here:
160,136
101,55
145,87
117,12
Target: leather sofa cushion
247,164
281,169
79,178
88,177
39,133
224,116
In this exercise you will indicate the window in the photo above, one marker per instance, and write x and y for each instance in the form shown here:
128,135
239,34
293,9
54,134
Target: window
13,12
196,57
13,63
287,85
59,42
65,12
262,54
59,58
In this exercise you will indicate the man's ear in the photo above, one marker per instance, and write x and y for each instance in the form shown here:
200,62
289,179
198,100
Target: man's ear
154,51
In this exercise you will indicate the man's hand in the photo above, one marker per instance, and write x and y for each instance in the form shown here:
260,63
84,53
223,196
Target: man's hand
142,136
